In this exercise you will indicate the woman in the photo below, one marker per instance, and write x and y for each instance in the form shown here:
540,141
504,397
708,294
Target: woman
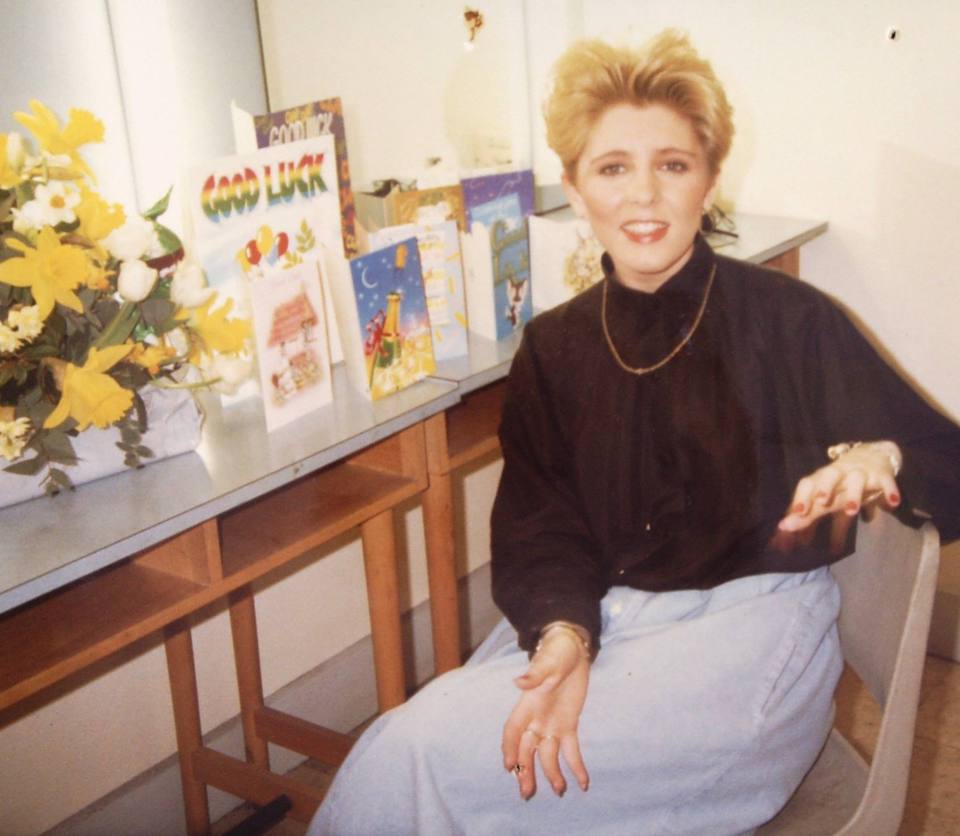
672,439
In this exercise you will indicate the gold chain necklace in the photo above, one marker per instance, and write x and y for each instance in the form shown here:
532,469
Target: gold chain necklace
640,370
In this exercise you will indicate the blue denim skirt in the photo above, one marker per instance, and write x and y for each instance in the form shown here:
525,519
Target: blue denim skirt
704,711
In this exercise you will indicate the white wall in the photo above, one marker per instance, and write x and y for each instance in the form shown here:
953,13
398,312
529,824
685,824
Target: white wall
62,54
410,89
835,121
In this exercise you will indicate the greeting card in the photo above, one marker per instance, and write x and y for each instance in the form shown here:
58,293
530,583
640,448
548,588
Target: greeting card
292,352
497,268
249,214
384,319
304,122
439,249
487,187
564,260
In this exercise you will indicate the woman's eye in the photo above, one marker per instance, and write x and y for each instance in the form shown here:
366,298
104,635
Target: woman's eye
611,169
675,166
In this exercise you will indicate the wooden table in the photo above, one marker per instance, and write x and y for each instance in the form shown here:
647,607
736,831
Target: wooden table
77,585
244,506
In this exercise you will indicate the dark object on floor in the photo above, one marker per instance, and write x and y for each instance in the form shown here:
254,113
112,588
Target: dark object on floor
263,819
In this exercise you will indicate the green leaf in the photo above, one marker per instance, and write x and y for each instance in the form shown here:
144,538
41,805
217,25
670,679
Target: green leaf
156,312
105,310
57,447
168,238
159,207
129,436
120,327
60,479
27,467
130,375
6,204
144,452
140,410
305,239
38,350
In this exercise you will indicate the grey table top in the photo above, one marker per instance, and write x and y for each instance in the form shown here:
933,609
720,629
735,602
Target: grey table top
47,543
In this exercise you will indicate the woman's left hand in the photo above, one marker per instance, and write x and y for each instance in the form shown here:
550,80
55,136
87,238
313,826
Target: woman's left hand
863,476
543,724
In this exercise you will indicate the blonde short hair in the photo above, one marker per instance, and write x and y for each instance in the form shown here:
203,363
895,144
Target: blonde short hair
593,75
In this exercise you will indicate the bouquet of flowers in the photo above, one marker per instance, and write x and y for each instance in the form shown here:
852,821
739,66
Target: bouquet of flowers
95,305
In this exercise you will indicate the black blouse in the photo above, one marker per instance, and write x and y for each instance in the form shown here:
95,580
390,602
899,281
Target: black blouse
676,479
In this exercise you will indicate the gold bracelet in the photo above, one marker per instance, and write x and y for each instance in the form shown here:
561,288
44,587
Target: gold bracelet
567,627
891,450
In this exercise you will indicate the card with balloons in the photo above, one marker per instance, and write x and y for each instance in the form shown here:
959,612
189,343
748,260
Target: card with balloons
250,215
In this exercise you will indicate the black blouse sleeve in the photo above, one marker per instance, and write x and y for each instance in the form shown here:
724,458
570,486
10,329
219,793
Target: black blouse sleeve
544,562
862,398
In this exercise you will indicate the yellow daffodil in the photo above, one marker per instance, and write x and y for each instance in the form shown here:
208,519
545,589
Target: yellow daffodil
151,357
88,395
97,217
51,271
215,332
99,277
82,127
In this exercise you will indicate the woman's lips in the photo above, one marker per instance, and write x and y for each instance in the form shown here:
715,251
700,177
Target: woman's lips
645,232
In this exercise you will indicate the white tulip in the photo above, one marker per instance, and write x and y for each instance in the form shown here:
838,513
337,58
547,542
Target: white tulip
133,239
189,286
136,280
231,370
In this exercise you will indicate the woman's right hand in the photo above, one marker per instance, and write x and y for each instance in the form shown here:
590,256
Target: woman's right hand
545,718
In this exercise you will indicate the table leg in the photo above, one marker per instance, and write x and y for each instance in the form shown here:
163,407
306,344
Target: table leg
186,717
246,653
380,563
441,572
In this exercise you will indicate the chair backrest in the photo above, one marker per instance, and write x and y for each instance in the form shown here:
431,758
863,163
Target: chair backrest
887,580
888,588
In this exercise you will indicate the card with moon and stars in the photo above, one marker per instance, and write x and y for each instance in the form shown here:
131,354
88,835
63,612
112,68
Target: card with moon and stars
439,248
393,317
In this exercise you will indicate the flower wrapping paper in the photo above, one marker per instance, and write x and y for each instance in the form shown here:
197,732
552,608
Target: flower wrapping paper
175,424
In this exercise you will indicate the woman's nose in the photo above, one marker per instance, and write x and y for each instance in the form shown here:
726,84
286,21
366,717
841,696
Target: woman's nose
643,187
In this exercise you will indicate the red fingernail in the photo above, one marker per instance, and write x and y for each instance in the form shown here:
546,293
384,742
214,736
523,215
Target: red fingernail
799,508
852,507
894,499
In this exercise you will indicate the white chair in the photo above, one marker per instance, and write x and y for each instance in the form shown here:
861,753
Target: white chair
888,587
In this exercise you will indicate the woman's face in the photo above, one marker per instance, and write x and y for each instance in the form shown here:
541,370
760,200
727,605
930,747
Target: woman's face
643,182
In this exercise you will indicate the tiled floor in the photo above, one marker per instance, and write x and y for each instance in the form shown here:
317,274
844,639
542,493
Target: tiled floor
933,797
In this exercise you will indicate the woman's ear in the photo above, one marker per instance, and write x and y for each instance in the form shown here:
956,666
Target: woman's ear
573,196
711,194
